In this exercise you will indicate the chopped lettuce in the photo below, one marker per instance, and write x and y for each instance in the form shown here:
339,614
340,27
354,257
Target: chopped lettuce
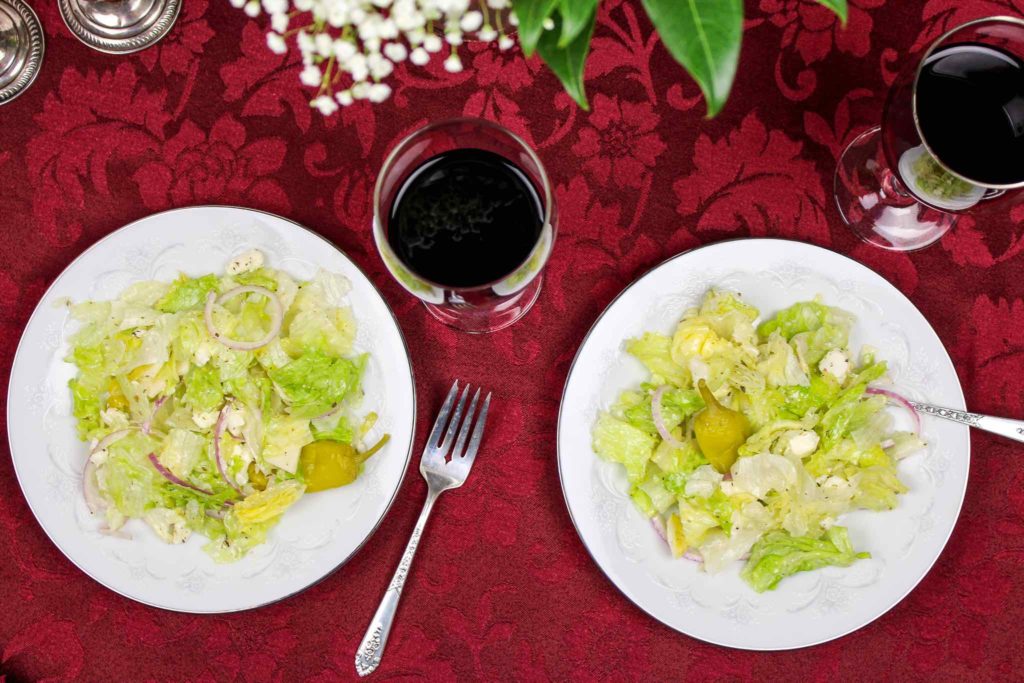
187,293
778,555
821,445
146,364
314,382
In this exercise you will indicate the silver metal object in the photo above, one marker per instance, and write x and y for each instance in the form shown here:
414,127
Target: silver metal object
119,26
21,48
441,475
1011,429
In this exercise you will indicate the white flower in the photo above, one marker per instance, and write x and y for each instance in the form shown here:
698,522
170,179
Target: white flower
276,43
305,42
419,57
379,66
453,64
505,43
357,68
432,43
324,44
303,5
237,4
497,4
252,8
548,24
275,6
279,22
487,33
344,50
396,52
344,98
453,38
513,20
361,91
325,104
311,76
471,21
379,92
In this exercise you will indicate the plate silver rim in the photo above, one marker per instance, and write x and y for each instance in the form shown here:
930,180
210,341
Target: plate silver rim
152,35
387,508
621,589
34,61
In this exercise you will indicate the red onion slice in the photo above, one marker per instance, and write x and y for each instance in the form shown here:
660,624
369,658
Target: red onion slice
171,477
276,316
218,432
659,421
116,533
109,439
902,401
90,489
156,406
659,526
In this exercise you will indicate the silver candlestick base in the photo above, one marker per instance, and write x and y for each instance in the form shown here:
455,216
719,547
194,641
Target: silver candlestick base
119,26
21,48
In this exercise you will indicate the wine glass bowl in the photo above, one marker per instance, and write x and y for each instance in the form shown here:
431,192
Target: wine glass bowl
464,219
952,136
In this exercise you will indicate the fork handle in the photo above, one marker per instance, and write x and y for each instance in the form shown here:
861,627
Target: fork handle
1011,429
371,649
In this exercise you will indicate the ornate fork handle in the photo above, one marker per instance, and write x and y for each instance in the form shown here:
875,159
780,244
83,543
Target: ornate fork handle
1011,429
371,649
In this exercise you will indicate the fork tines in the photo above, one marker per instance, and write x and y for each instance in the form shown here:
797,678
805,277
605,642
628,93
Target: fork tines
447,424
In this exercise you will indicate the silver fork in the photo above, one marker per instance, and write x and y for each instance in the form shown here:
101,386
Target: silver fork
441,475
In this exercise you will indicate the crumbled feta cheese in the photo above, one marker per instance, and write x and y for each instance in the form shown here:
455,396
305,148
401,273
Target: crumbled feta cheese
112,417
835,363
250,260
204,420
170,525
99,457
802,443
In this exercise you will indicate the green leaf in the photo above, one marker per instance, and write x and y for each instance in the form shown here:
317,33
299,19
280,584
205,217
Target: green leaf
531,15
568,62
704,36
837,6
576,16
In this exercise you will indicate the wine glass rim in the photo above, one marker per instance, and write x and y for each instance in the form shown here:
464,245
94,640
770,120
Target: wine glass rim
1005,19
542,172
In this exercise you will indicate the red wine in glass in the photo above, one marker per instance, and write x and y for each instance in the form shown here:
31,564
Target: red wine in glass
464,218
952,136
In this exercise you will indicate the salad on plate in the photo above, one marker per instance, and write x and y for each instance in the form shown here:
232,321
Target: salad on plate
212,404
750,441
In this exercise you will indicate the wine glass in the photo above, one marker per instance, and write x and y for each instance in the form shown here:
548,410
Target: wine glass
464,218
952,135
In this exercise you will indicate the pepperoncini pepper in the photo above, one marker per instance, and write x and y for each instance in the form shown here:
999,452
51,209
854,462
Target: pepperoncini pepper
720,431
330,464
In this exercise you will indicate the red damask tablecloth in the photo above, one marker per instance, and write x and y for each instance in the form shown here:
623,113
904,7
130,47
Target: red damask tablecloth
502,587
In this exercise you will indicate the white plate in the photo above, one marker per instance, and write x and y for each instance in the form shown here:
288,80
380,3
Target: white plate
319,534
811,607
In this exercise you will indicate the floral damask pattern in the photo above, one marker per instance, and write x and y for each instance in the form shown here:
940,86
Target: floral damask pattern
502,589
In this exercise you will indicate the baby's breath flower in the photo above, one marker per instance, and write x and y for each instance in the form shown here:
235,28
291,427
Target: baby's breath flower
311,76
396,52
276,43
324,104
453,64
349,47
419,57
